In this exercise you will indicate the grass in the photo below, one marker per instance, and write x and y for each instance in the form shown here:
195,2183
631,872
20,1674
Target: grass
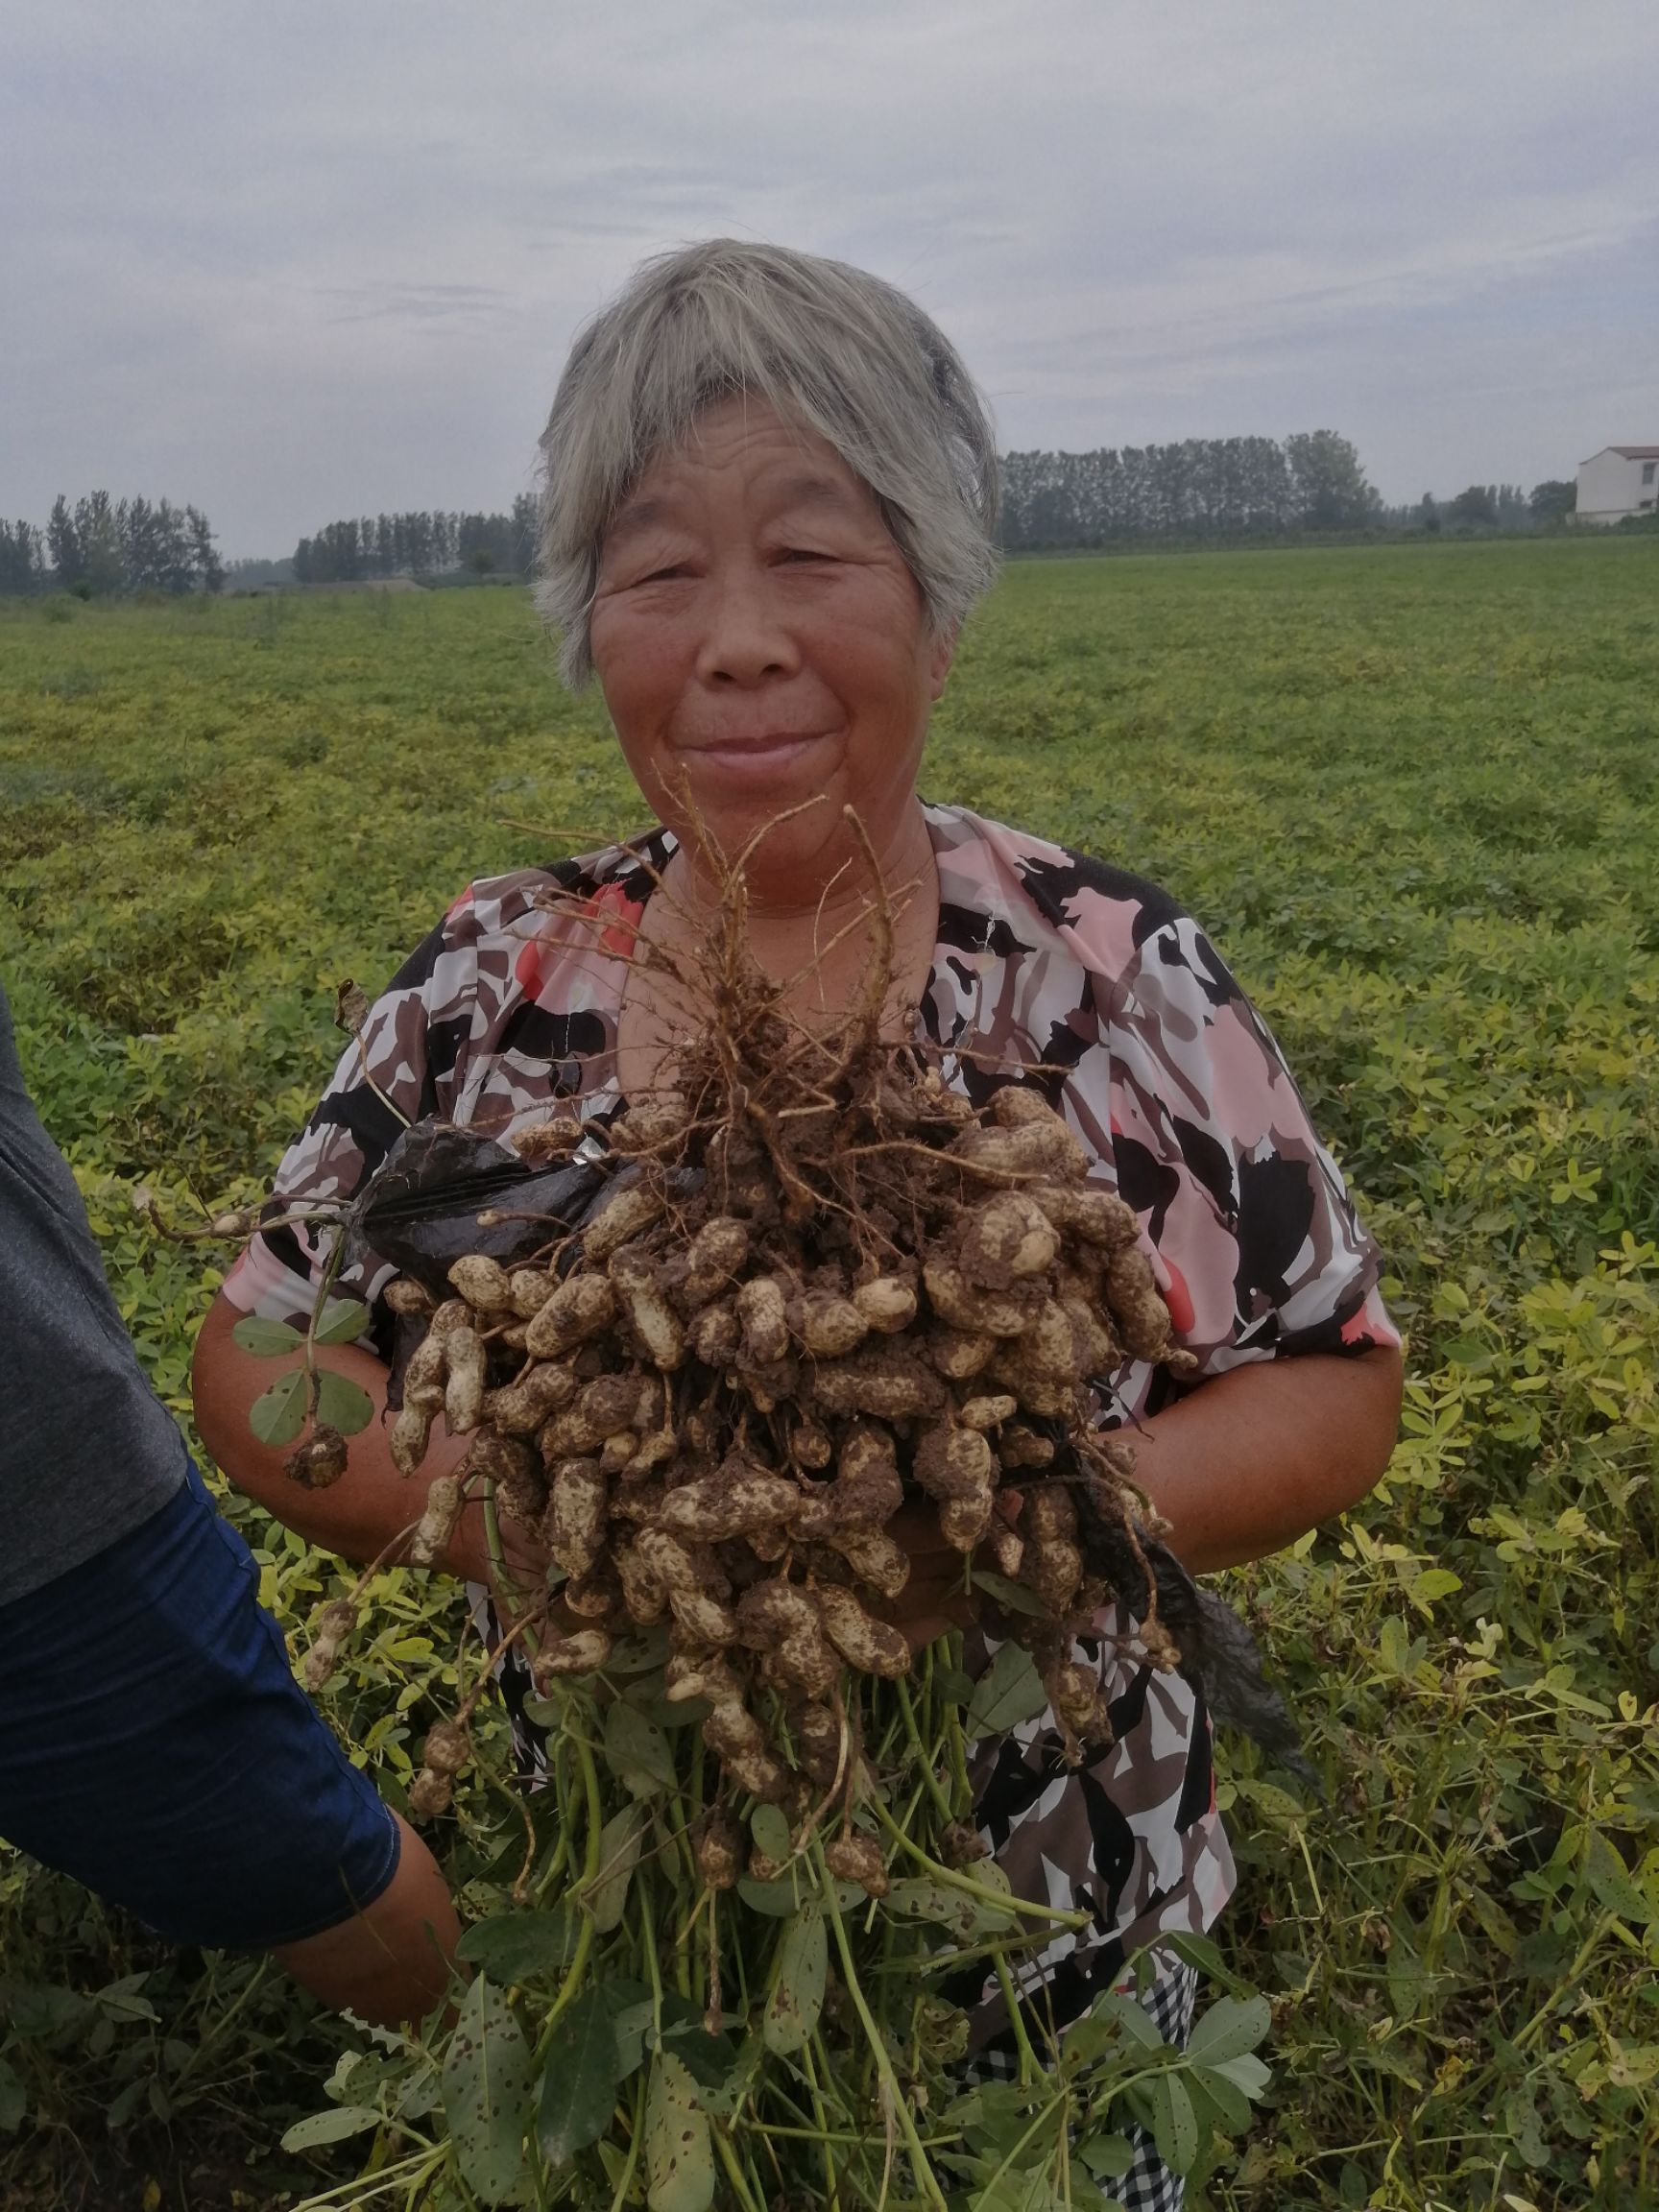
1411,791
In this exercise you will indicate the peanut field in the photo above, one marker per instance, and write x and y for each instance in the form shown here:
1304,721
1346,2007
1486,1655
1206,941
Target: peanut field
1413,794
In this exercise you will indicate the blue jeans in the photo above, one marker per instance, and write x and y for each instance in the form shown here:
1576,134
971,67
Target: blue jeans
154,1745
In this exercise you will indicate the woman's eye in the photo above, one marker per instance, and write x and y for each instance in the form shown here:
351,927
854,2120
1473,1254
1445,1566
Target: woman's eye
664,575
803,553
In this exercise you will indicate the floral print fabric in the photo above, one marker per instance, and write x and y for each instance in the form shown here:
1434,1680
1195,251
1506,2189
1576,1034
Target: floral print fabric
1115,1002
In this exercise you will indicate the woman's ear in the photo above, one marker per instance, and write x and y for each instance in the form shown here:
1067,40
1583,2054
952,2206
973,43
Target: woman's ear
942,652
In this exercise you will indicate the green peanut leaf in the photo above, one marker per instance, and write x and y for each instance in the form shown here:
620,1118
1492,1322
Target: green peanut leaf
1208,2085
771,1832
331,2127
265,1339
1138,2026
1612,1887
777,1900
343,1321
952,1685
1174,2122
679,2150
1012,1596
1008,1692
633,2012
640,1653
343,1404
520,1946
1106,2156
636,1751
279,1414
796,1996
581,2076
1228,2030
965,1918
711,2060
488,2078
619,1841
1246,2072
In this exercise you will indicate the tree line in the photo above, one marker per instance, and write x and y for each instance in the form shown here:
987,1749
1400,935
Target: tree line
102,547
1200,488
1495,507
421,542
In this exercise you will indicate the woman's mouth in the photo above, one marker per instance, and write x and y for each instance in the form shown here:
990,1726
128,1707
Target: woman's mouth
758,760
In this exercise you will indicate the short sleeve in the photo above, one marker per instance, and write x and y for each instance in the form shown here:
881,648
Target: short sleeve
400,1069
1260,1250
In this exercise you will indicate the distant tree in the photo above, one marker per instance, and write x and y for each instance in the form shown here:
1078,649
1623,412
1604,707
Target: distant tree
22,559
1425,515
204,554
98,527
249,572
63,545
417,542
1476,506
1552,500
522,523
1328,484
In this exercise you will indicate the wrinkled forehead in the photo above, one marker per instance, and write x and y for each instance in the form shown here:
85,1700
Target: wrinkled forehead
787,462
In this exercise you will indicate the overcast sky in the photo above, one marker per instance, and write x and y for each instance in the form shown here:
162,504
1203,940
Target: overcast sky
292,260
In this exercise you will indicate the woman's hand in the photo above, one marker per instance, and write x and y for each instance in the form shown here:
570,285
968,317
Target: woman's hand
364,1513
937,1597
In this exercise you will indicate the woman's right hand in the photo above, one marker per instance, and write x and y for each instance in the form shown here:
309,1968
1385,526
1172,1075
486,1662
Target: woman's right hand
371,1504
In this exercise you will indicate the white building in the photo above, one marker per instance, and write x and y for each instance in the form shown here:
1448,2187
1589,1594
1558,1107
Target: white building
1618,481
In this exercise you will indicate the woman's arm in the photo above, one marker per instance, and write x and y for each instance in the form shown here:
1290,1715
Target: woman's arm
372,1503
391,1962
1243,1466
1254,1459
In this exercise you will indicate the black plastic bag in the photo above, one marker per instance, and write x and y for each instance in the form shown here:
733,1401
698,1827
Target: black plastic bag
420,1209
1218,1652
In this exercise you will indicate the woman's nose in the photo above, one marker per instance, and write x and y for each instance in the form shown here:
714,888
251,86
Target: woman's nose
745,638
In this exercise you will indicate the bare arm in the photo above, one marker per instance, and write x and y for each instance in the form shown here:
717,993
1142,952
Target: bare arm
361,1514
1256,1458
389,1963
1243,1466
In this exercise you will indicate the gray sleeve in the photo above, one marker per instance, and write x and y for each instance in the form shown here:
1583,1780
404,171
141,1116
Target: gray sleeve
88,1450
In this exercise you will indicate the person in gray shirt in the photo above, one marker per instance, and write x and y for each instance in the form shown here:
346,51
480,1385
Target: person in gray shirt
154,1743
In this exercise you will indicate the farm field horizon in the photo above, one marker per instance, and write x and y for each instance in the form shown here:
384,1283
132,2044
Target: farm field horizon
1411,792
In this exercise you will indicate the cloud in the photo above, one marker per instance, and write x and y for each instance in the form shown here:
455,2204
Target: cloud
422,304
292,262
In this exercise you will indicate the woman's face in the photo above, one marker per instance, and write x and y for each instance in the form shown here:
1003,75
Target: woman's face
760,641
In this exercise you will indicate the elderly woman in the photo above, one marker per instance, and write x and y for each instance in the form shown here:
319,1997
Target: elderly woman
769,489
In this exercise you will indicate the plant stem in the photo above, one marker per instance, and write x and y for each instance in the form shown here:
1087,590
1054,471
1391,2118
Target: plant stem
920,2166
947,1878
589,1869
728,2157
924,1760
1028,2066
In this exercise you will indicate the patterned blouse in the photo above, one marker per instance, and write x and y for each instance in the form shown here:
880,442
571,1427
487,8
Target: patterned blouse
1181,1100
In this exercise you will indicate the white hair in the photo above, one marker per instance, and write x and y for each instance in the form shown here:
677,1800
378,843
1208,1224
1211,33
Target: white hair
825,344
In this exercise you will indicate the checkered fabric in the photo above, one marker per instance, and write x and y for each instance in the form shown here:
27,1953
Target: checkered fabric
1148,2186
